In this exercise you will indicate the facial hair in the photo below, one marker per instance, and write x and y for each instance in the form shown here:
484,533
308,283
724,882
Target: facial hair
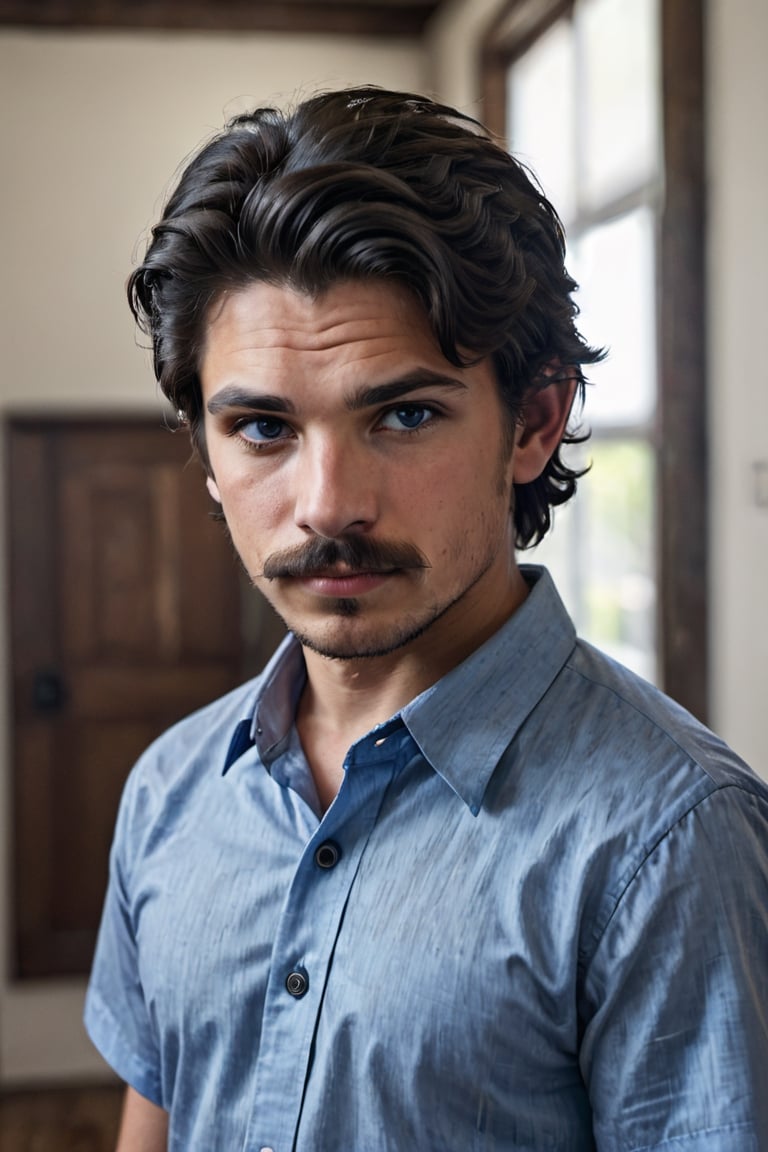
355,553
359,554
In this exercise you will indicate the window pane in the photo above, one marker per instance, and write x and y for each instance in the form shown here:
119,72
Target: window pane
601,553
621,600
614,265
540,91
619,67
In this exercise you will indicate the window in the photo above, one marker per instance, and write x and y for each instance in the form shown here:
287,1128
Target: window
602,99
569,96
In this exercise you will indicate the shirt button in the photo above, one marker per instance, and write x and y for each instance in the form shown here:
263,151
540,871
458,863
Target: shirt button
327,855
266,1150
297,983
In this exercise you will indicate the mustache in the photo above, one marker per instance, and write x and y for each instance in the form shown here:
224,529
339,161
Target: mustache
355,553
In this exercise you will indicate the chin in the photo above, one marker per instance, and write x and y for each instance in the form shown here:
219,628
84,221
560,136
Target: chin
343,641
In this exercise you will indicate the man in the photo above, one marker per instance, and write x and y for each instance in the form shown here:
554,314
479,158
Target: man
443,877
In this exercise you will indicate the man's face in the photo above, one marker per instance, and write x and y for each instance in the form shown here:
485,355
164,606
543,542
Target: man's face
365,480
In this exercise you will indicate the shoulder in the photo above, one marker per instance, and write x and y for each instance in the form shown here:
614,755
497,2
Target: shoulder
631,728
176,786
201,739
178,778
626,784
597,717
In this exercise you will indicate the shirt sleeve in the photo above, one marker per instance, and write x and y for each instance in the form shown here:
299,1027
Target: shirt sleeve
675,1044
116,1014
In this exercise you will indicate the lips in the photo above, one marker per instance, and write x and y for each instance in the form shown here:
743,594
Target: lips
344,573
335,583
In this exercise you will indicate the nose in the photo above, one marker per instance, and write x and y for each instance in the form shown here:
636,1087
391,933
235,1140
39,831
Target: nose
336,490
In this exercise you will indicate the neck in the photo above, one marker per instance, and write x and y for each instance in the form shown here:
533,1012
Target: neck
344,699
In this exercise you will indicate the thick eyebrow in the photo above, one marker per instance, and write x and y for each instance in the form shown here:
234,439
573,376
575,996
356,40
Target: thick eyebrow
385,393
234,396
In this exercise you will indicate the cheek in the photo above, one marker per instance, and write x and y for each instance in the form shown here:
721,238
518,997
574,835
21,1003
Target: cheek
478,520
256,519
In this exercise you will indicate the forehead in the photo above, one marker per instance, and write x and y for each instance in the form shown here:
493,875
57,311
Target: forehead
351,324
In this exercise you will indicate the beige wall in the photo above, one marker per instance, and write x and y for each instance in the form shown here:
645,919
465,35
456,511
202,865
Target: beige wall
452,48
738,370
92,128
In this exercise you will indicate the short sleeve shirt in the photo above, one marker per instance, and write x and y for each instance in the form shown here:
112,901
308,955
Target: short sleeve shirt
534,917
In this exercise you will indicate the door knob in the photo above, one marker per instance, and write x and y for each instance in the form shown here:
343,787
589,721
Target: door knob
49,692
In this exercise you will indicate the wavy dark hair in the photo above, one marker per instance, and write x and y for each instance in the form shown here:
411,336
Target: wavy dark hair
359,184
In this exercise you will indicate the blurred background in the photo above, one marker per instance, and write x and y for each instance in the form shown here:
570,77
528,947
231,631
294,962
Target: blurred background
644,121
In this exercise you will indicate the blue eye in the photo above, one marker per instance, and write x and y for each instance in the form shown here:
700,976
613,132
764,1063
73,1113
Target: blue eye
407,417
262,429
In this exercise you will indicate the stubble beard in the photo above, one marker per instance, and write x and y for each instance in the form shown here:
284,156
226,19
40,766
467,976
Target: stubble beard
358,648
400,635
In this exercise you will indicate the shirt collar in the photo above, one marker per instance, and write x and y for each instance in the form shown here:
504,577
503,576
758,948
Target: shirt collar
270,716
282,683
464,722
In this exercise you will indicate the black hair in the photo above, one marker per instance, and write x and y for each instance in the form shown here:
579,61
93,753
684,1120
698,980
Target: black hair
369,184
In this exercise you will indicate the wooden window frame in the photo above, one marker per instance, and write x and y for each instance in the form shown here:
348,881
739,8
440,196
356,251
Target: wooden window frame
681,429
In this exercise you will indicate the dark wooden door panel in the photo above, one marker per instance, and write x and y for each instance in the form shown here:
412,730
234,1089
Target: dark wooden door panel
125,616
81,1119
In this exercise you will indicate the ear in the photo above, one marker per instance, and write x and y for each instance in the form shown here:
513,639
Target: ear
542,423
213,489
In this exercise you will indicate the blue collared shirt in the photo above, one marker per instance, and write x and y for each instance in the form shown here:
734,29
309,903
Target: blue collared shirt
535,917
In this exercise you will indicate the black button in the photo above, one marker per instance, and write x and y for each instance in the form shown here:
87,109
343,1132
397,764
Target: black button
327,855
297,984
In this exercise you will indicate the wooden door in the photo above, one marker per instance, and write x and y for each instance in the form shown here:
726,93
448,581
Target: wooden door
125,616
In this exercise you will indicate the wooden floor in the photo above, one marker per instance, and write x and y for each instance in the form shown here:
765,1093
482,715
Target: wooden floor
60,1120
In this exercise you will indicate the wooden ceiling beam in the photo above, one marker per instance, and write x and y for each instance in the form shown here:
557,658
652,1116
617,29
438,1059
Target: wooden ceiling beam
334,17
